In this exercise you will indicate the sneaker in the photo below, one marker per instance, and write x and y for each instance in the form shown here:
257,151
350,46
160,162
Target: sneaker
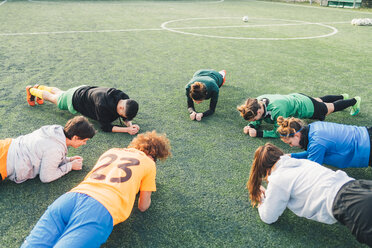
356,108
223,73
30,98
345,96
38,100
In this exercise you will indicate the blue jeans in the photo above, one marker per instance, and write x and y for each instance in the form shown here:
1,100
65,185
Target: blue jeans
73,220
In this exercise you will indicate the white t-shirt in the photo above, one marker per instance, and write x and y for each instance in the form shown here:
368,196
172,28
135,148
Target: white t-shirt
305,187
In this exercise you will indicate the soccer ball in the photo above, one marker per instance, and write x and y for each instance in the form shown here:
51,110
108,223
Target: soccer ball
245,18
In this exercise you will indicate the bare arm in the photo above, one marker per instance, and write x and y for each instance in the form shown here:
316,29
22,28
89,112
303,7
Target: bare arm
131,130
144,200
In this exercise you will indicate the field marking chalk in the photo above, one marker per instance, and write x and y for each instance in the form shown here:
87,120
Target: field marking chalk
133,3
176,30
81,31
162,29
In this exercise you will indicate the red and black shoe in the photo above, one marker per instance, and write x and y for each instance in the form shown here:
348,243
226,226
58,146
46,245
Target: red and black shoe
38,100
30,98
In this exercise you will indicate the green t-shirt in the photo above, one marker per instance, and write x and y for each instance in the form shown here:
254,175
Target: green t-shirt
292,105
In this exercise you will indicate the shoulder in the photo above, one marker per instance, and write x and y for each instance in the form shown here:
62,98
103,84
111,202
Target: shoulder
130,154
212,87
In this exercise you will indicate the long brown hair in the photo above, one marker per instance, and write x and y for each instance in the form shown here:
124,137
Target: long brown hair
289,126
249,109
198,91
264,159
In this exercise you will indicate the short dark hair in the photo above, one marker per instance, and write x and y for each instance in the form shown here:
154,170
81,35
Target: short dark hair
79,126
131,109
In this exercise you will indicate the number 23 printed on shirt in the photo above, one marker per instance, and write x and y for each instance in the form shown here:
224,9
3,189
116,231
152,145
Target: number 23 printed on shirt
124,166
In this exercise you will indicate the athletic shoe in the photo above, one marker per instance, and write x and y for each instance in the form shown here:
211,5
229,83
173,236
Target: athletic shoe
223,73
30,98
38,100
345,96
356,108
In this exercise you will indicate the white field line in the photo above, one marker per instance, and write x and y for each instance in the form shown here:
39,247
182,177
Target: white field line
334,31
164,25
131,3
258,25
3,2
81,31
158,29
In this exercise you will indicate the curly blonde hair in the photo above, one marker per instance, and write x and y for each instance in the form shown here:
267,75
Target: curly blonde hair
249,109
289,126
152,144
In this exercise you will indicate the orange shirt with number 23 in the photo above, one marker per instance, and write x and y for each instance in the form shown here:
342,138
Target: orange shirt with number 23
117,177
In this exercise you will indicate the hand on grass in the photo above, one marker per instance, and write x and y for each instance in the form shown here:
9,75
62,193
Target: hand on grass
199,116
193,115
77,164
136,126
252,132
132,130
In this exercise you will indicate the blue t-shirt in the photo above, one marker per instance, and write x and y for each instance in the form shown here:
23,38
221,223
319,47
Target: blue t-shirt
337,145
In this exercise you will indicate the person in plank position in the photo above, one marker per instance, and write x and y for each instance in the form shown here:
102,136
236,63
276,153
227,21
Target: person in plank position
43,152
328,143
309,190
269,107
85,216
205,84
102,104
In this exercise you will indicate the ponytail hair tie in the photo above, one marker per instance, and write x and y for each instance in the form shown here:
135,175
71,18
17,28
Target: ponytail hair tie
291,134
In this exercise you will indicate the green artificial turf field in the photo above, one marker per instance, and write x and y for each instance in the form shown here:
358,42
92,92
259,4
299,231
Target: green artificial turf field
150,49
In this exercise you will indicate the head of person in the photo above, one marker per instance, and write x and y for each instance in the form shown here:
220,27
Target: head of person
265,158
290,130
198,92
127,109
78,131
154,145
251,110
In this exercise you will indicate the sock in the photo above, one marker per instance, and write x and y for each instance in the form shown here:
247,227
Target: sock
331,98
343,104
36,92
46,88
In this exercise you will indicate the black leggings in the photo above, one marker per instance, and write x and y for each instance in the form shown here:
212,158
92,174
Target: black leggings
352,207
321,110
338,101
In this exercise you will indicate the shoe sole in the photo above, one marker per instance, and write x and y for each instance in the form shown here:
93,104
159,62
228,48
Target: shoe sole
30,98
355,113
357,108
